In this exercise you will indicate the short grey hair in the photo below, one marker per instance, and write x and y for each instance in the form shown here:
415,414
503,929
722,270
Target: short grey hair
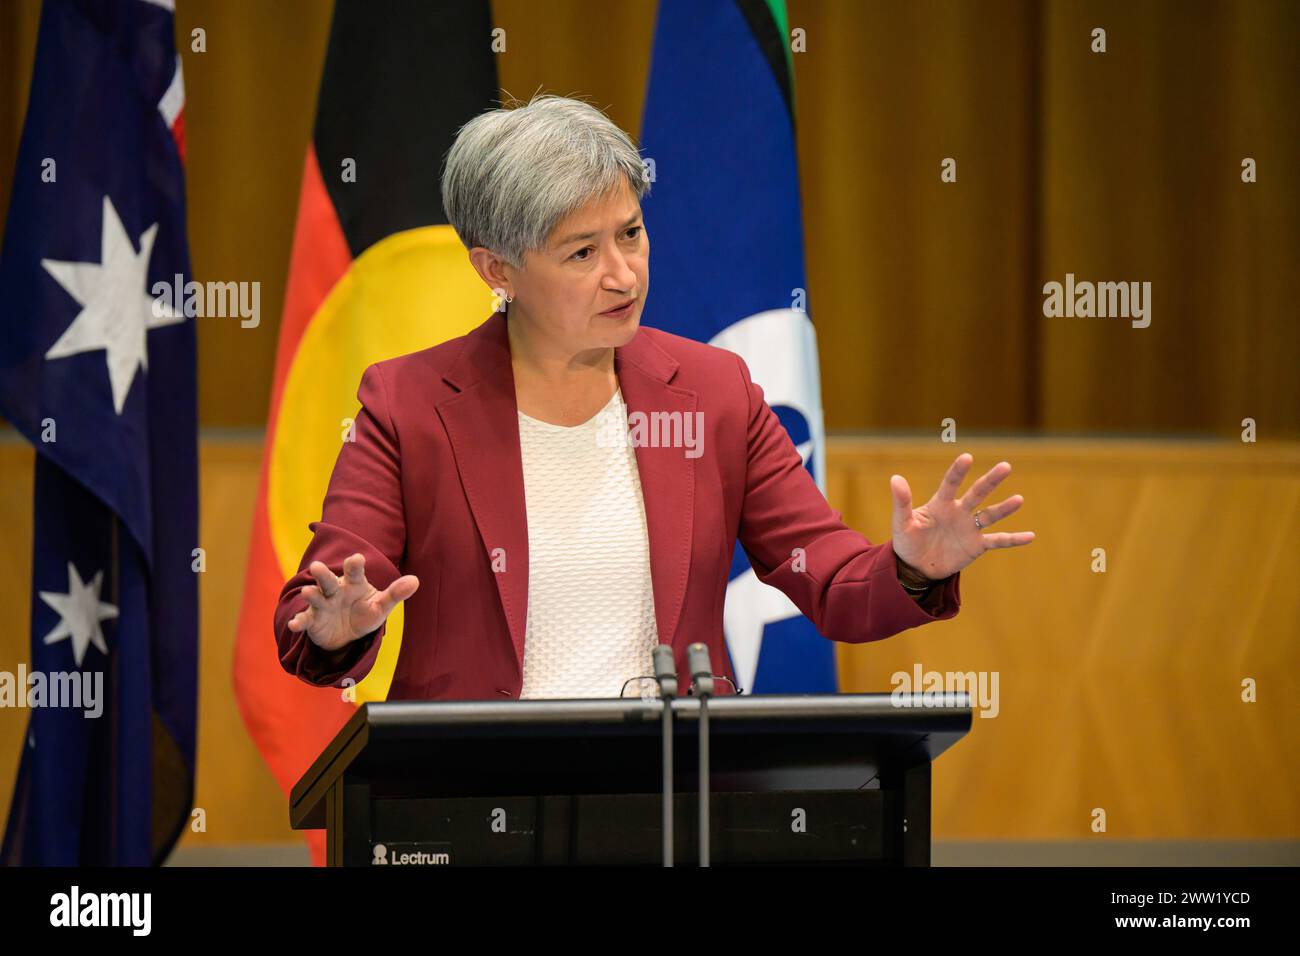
513,173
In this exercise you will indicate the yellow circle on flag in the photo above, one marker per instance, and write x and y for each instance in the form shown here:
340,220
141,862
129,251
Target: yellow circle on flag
407,292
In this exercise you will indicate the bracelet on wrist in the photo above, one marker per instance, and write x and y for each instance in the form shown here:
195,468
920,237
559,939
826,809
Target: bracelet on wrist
912,580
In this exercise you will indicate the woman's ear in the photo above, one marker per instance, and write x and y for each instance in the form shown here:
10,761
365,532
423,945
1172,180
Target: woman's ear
491,269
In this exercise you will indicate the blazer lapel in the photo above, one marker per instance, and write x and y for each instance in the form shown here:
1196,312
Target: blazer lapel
667,474
483,426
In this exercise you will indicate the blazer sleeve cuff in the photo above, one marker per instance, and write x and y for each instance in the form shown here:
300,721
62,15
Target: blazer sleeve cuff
872,604
884,573
303,658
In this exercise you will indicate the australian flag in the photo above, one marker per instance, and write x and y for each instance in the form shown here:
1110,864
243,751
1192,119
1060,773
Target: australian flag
724,214
99,375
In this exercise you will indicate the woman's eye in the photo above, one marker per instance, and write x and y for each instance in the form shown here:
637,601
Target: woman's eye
579,257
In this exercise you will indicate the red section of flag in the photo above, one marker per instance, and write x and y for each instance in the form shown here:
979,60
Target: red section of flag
290,721
178,134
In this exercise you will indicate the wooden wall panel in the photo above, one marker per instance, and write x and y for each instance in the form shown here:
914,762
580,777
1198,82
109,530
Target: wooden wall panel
1118,690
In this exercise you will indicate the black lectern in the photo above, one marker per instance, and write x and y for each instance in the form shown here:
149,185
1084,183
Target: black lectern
836,778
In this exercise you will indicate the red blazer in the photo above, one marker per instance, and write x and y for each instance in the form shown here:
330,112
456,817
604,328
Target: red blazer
433,485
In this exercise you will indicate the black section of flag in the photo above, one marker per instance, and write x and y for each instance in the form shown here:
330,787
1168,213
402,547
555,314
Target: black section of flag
401,77
759,17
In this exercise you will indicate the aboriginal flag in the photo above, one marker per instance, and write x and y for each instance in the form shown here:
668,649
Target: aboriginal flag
376,271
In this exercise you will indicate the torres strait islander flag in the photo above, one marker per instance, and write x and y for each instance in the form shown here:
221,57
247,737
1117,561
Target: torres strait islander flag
376,271
718,138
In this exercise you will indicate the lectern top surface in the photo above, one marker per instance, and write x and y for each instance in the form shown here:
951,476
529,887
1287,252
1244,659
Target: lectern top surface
878,708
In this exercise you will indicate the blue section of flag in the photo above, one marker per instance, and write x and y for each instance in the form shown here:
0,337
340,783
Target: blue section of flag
724,221
105,390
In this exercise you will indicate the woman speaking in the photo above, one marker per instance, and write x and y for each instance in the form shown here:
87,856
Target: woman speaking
560,490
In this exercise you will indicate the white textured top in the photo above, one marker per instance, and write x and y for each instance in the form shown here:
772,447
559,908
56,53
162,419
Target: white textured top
591,615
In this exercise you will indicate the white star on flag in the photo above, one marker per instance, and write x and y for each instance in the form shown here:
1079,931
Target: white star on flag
117,311
80,611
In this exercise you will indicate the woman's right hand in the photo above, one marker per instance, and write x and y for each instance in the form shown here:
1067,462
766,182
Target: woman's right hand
342,609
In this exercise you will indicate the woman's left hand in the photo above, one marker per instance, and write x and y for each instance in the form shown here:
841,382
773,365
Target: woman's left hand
941,537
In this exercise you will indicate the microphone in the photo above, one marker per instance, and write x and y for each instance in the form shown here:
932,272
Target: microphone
665,671
697,659
666,676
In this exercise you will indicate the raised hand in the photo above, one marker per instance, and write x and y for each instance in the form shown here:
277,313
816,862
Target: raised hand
943,535
342,609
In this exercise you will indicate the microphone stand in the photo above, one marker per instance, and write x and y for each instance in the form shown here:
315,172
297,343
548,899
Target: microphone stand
666,676
697,656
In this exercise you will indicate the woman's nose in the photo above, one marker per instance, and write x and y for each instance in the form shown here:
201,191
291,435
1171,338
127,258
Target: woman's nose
620,276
